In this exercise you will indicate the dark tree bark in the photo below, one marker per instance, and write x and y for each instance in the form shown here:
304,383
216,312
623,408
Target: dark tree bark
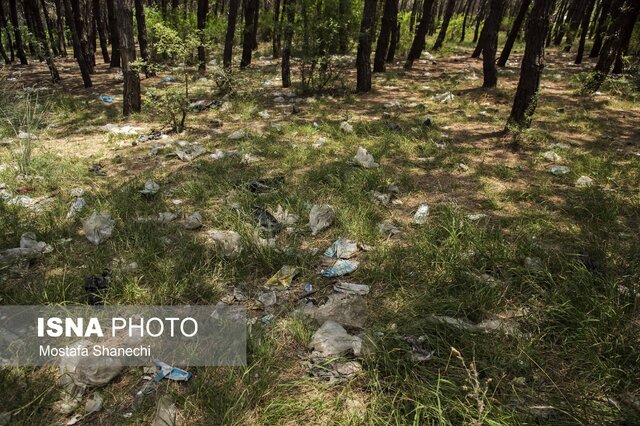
586,17
600,28
393,44
389,21
448,13
276,30
143,41
8,59
82,25
101,26
203,8
343,36
412,17
256,21
560,26
513,33
479,18
5,58
33,51
75,39
31,8
492,26
62,46
231,30
13,13
131,99
48,22
526,98
363,57
114,37
625,40
288,9
247,34
421,32
575,18
467,10
624,18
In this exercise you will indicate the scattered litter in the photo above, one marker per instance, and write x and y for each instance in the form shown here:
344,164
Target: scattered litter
486,326
106,99
203,105
266,319
284,277
153,136
475,216
444,98
268,298
346,127
319,142
389,228
250,158
269,225
278,99
163,217
74,419
559,170
238,134
332,340
76,192
79,371
189,151
259,186
226,243
584,182
96,286
193,221
308,288
418,352
168,80
364,159
166,371
421,215
340,267
98,169
94,404
533,263
284,217
121,130
560,145
351,288
551,156
321,217
150,188
342,249
30,248
35,204
264,114
76,207
166,413
379,197
26,135
332,370
98,227
344,308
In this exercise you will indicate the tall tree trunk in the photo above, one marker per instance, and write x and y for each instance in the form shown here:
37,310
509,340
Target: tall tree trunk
586,18
3,27
625,16
231,30
247,34
625,40
393,44
412,17
143,41
513,33
288,9
49,27
389,20
524,104
448,13
492,25
62,46
98,14
276,30
131,100
13,13
467,10
2,51
343,35
421,32
363,57
31,8
600,28
82,26
82,60
256,21
574,22
31,29
114,37
203,8
479,18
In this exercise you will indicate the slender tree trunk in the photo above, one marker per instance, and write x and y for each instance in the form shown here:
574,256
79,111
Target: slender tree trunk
49,27
288,9
625,40
524,104
82,60
13,13
131,100
448,13
363,57
30,27
586,17
343,36
231,30
203,8
256,21
412,17
143,41
8,59
31,8
467,10
2,51
492,25
393,44
513,33
600,29
389,20
102,30
421,32
247,34
574,23
114,37
62,46
276,29
479,18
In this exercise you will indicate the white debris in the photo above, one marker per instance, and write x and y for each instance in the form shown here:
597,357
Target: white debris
321,217
364,159
238,134
150,188
189,151
94,403
347,309
584,182
319,142
346,127
166,413
283,216
193,221
352,288
332,340
421,215
444,98
559,170
76,207
121,130
551,156
264,114
226,243
76,192
98,227
487,326
30,248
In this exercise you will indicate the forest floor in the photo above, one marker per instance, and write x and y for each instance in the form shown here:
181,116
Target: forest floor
557,263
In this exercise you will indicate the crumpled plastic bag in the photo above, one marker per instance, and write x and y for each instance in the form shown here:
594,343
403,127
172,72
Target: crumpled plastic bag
284,277
150,188
227,243
352,288
331,339
444,98
342,249
193,221
346,127
364,159
341,267
30,248
76,207
347,309
321,217
189,151
421,215
166,413
98,227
